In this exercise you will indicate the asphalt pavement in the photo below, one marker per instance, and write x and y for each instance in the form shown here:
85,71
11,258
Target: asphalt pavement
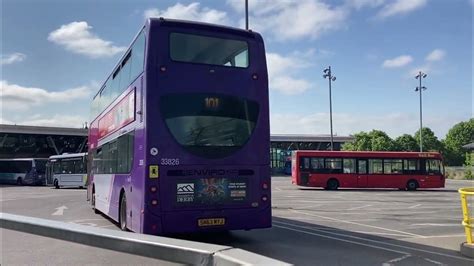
310,227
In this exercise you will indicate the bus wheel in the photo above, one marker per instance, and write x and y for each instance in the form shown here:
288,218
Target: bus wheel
19,181
332,184
412,185
56,183
123,213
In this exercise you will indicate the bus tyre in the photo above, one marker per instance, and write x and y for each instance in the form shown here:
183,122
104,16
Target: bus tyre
56,183
123,213
412,185
19,181
332,184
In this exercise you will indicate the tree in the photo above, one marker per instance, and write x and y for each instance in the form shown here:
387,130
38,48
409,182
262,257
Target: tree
406,142
430,141
374,140
459,135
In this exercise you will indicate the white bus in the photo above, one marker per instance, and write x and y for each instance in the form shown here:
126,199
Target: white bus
24,171
67,170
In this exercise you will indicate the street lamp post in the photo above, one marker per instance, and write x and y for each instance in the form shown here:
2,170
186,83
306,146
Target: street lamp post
328,74
420,88
246,14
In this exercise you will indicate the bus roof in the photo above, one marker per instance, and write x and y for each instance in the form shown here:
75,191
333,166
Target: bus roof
369,154
68,155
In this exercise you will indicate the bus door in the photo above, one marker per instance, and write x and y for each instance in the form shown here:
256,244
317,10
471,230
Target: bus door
362,172
49,173
304,171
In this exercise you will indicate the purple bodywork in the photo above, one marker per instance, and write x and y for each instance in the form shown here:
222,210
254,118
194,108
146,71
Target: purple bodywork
234,188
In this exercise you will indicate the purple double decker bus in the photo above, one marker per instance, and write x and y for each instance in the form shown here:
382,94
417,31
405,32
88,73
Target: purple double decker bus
179,138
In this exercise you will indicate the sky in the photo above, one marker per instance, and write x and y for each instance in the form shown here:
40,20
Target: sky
55,54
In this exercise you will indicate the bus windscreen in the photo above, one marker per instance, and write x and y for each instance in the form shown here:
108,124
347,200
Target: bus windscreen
209,125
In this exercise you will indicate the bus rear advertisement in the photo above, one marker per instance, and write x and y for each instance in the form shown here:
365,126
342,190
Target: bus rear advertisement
348,169
179,134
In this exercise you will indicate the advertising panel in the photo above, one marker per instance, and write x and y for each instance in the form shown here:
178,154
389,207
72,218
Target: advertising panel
120,115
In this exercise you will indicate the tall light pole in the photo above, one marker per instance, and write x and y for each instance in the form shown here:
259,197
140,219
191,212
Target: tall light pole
247,14
328,74
420,88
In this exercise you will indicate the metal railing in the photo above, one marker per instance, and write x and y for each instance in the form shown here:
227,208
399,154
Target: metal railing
468,219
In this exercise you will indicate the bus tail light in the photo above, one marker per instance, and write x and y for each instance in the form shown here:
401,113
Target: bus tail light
163,69
154,202
254,76
264,198
153,189
265,185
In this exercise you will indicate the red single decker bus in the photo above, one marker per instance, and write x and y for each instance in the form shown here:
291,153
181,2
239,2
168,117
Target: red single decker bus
353,169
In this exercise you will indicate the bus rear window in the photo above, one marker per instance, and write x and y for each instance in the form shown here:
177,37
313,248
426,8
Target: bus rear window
208,50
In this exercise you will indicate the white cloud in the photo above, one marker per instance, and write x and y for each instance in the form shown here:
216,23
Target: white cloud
78,38
192,11
16,97
358,4
399,7
398,61
12,58
292,20
430,67
395,124
435,55
281,70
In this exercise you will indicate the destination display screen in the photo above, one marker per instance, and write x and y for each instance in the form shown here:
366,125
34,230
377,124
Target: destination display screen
211,191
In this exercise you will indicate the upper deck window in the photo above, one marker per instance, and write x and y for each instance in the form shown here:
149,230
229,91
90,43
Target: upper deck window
208,50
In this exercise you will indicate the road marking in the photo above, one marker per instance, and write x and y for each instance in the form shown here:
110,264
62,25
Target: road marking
432,224
83,220
358,208
459,235
277,188
414,206
342,240
390,262
59,210
104,226
433,261
348,222
378,233
380,242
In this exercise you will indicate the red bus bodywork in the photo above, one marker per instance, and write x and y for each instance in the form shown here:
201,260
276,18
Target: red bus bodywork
352,169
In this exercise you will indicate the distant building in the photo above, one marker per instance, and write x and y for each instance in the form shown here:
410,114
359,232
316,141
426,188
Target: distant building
42,142
282,144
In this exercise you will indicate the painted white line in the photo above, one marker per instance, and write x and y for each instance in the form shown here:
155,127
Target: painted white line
378,233
434,262
414,206
59,211
83,220
358,208
277,188
384,243
431,224
459,235
342,240
109,225
365,225
390,262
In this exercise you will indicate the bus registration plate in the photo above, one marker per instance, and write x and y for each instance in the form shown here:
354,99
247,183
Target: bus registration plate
211,222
